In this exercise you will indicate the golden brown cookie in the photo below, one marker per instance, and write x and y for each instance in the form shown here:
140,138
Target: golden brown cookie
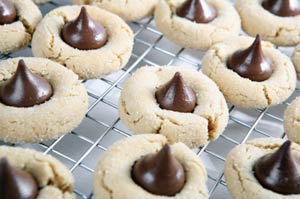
47,42
113,179
200,36
141,113
282,31
17,34
59,115
244,92
239,169
54,180
130,10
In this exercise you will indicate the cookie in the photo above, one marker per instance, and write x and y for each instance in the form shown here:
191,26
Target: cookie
113,175
292,121
16,31
53,179
280,30
296,60
200,36
244,92
141,112
244,174
130,10
113,55
60,114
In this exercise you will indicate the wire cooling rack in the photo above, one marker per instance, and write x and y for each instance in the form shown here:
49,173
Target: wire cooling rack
81,149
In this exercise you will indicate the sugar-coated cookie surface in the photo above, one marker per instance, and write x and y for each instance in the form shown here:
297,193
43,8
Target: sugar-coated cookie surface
240,179
53,178
47,42
292,121
112,179
17,35
296,60
282,31
59,115
129,10
241,91
141,113
200,36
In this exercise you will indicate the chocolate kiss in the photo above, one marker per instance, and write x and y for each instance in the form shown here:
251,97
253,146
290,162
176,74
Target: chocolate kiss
279,171
8,12
176,95
15,183
199,11
283,8
25,89
84,33
160,173
251,63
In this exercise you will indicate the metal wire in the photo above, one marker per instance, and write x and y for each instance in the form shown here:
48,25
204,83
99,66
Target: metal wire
81,149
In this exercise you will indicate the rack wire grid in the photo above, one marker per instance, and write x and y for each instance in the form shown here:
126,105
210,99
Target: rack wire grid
81,149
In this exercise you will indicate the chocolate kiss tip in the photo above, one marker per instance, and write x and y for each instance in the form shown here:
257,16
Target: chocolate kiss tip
84,15
258,38
279,171
3,162
165,152
15,183
8,12
83,11
175,95
84,33
199,11
256,45
167,147
178,77
178,74
21,65
284,149
286,145
25,89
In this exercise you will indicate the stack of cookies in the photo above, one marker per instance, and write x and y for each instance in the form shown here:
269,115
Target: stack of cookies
171,109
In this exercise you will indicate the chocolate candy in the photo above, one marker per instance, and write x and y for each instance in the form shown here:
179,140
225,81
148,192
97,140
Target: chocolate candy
251,63
283,8
160,173
8,13
84,33
25,89
279,171
15,183
176,95
199,11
